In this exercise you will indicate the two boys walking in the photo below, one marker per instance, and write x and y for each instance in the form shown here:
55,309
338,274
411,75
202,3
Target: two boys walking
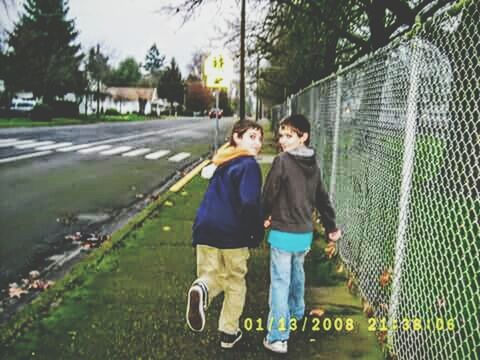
232,218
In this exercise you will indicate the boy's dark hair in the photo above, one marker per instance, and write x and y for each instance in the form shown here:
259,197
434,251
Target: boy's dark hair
241,127
298,123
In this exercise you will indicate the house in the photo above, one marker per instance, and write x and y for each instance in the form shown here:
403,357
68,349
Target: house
126,100
133,99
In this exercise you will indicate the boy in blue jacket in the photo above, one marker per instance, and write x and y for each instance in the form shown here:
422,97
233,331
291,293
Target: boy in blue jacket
228,222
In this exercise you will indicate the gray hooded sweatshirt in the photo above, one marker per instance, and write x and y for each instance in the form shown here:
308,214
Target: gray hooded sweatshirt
293,190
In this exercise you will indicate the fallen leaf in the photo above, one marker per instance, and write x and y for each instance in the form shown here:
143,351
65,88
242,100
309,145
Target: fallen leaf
330,249
382,337
34,274
350,284
317,312
367,309
441,302
340,268
16,292
386,277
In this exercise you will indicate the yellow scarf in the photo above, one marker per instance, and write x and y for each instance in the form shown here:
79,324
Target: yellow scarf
229,153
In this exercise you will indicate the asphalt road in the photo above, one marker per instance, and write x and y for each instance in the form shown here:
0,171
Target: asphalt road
52,186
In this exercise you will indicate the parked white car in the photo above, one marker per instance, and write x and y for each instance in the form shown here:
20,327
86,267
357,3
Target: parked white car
23,104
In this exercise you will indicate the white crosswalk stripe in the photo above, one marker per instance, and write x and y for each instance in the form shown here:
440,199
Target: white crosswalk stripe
16,142
54,146
7,140
137,152
35,144
75,147
26,156
94,149
157,155
179,157
117,150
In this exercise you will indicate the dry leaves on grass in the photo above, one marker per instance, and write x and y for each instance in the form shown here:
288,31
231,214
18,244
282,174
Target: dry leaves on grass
386,277
330,249
317,312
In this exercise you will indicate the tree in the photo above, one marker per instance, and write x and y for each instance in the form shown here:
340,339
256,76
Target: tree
42,55
98,70
224,103
153,61
307,40
199,97
195,67
170,86
126,74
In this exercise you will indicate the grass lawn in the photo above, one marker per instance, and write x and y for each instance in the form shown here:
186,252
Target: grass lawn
26,122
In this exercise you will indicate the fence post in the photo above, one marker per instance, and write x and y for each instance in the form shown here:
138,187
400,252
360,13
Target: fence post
338,109
405,188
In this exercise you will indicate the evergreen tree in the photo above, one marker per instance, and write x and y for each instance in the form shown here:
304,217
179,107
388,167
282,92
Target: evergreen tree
170,86
153,61
127,73
43,57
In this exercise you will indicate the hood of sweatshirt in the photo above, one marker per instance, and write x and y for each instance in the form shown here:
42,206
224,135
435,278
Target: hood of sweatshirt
229,153
221,157
305,159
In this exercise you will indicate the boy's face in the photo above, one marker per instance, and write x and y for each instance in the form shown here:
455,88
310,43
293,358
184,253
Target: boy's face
289,139
250,141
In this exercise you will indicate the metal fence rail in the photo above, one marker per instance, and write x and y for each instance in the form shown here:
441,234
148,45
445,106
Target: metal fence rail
397,136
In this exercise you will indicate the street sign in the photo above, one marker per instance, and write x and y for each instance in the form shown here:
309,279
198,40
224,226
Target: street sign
218,70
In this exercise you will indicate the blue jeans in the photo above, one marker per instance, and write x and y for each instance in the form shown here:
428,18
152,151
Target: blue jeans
287,289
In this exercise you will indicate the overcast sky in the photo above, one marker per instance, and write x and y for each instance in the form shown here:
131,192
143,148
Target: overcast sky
129,27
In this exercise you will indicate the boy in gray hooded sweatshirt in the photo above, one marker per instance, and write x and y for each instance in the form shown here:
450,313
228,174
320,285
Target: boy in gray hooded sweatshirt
292,190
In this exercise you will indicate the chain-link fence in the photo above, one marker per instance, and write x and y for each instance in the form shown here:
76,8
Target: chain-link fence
397,136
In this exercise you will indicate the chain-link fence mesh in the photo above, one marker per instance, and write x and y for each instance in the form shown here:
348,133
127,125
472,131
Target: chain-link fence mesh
397,136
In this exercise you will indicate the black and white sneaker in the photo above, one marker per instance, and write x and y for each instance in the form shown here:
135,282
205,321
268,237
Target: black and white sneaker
228,341
196,308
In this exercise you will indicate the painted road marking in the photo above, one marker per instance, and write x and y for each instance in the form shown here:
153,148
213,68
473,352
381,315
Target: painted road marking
94,149
179,157
54,146
32,145
115,151
17,142
157,155
7,140
26,156
75,147
137,152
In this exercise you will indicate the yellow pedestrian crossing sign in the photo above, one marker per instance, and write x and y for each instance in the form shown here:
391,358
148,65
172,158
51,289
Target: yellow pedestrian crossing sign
218,70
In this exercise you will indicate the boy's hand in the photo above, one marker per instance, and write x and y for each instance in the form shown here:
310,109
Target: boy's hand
334,236
267,223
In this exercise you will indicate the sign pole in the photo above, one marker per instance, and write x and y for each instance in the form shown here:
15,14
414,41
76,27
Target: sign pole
216,119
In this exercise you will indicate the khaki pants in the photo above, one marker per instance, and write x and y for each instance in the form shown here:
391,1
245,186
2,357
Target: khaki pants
224,270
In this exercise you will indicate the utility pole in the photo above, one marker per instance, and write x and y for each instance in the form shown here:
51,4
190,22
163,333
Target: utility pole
257,103
242,62
98,81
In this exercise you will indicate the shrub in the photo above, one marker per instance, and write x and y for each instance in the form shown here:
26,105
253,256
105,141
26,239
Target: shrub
41,112
61,108
112,111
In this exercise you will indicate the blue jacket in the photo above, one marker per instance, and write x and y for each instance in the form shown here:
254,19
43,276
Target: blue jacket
230,216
